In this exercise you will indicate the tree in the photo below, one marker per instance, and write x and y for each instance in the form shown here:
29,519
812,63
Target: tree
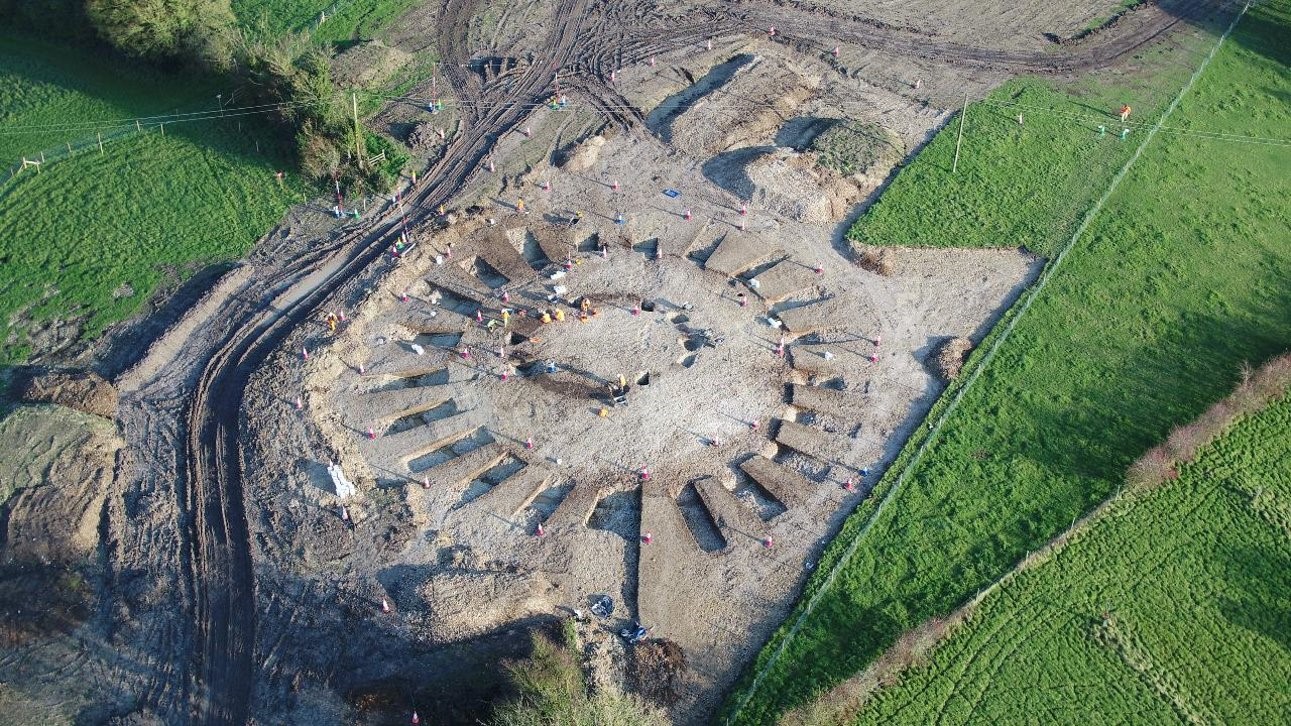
165,30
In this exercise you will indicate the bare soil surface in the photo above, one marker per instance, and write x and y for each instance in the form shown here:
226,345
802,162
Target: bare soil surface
83,391
54,478
223,583
451,494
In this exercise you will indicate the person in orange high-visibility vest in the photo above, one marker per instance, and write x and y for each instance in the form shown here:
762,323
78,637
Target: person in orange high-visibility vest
1125,111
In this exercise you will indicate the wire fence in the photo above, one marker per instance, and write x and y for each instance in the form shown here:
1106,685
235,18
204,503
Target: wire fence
314,25
34,163
357,200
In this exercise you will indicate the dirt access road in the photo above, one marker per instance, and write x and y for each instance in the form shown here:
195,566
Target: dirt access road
192,630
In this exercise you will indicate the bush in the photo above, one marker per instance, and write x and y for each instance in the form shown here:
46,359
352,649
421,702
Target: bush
196,31
552,693
289,71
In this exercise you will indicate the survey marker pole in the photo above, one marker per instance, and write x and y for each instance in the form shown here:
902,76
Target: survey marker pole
963,112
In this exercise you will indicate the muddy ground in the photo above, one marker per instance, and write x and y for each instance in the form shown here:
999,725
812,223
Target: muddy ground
698,99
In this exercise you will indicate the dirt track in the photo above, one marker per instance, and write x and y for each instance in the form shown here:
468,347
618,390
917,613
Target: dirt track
196,632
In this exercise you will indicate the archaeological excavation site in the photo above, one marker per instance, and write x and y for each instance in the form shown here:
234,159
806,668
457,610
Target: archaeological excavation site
641,367
608,363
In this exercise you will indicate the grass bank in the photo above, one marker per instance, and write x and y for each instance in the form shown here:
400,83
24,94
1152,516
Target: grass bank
1178,280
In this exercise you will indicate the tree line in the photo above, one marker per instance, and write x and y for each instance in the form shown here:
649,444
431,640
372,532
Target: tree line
202,36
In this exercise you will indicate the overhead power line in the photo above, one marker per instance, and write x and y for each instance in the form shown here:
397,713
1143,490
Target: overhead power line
728,103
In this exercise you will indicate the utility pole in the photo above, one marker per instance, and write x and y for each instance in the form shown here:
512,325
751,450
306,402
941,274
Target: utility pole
358,138
964,112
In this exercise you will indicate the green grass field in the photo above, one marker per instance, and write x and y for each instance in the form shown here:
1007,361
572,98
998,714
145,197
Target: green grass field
1181,278
78,237
346,19
1195,579
1019,185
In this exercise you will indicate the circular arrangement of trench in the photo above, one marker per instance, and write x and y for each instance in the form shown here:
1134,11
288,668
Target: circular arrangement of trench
499,397
492,422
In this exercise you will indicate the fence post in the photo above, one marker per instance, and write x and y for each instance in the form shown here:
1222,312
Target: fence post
137,126
100,142
960,139
69,148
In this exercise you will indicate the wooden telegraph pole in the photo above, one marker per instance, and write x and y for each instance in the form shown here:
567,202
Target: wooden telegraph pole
358,137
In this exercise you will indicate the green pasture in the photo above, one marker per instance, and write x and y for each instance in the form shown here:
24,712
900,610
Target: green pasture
346,19
90,237
1172,608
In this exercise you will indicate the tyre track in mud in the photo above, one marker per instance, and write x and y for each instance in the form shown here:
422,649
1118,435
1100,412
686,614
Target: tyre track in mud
620,47
219,565
1098,50
618,40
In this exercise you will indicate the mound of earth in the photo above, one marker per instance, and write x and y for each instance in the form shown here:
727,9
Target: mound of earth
794,186
951,356
423,136
657,667
747,110
879,260
55,473
80,390
368,64
584,156
864,150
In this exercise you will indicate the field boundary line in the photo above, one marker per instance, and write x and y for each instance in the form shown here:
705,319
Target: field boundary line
935,427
